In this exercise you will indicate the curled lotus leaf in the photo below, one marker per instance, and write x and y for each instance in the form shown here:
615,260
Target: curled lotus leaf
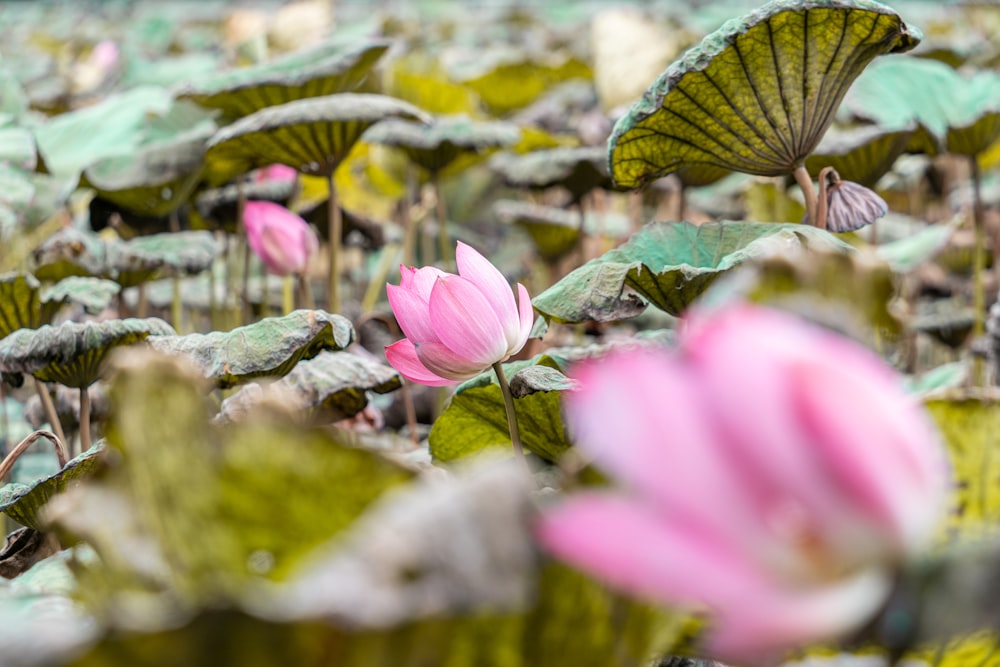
93,294
330,387
437,145
72,353
324,70
23,502
756,95
961,114
183,253
24,304
669,264
268,348
861,154
70,252
579,170
312,135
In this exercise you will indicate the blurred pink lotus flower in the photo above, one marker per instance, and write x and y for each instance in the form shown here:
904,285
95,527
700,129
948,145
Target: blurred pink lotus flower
282,240
275,172
456,327
774,475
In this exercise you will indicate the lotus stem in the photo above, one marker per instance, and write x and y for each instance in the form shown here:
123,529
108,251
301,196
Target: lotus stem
84,419
287,294
805,182
336,231
50,409
378,279
444,241
9,460
241,233
142,305
409,229
177,306
681,200
823,205
581,253
411,413
306,290
508,401
978,269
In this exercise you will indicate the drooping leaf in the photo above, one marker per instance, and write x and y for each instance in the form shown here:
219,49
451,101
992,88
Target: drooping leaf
21,305
862,154
330,387
579,170
70,252
430,91
910,252
435,146
960,113
514,82
270,347
670,265
72,353
23,502
324,70
756,95
311,135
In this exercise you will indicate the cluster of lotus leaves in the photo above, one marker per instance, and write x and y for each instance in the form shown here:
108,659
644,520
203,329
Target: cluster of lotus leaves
757,95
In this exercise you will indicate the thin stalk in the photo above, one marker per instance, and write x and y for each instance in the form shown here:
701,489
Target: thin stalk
444,241
580,250
978,269
805,182
4,418
21,447
177,306
411,413
377,283
50,409
241,233
681,200
287,294
142,307
84,420
508,401
409,229
305,289
336,231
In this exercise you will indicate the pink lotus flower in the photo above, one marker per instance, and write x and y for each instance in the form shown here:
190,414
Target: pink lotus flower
456,327
275,173
774,475
283,241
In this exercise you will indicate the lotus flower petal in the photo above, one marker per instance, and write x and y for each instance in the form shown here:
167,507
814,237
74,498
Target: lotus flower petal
403,357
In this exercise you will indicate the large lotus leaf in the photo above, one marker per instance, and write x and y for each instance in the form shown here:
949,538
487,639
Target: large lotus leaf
861,154
330,387
71,141
961,113
17,148
670,264
909,252
184,253
25,305
756,95
214,508
72,353
23,502
519,81
968,420
70,252
579,170
268,348
475,418
556,231
324,70
311,135
155,179
430,91
433,147
93,294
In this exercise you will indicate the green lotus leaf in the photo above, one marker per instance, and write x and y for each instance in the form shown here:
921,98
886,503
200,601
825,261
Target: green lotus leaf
71,141
436,146
324,70
268,348
216,508
72,353
669,264
23,502
70,252
172,253
861,154
18,188
556,231
155,179
21,305
910,252
330,387
960,113
756,95
312,135
946,376
579,170
515,82
430,92
17,148
699,175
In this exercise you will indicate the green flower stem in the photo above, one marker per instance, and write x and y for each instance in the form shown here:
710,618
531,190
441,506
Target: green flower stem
444,241
508,401
23,446
805,182
978,269
50,409
305,288
84,420
241,232
287,294
336,231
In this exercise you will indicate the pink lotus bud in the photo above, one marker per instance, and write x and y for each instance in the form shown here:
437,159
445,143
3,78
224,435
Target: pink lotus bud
275,173
456,327
773,474
104,55
282,240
